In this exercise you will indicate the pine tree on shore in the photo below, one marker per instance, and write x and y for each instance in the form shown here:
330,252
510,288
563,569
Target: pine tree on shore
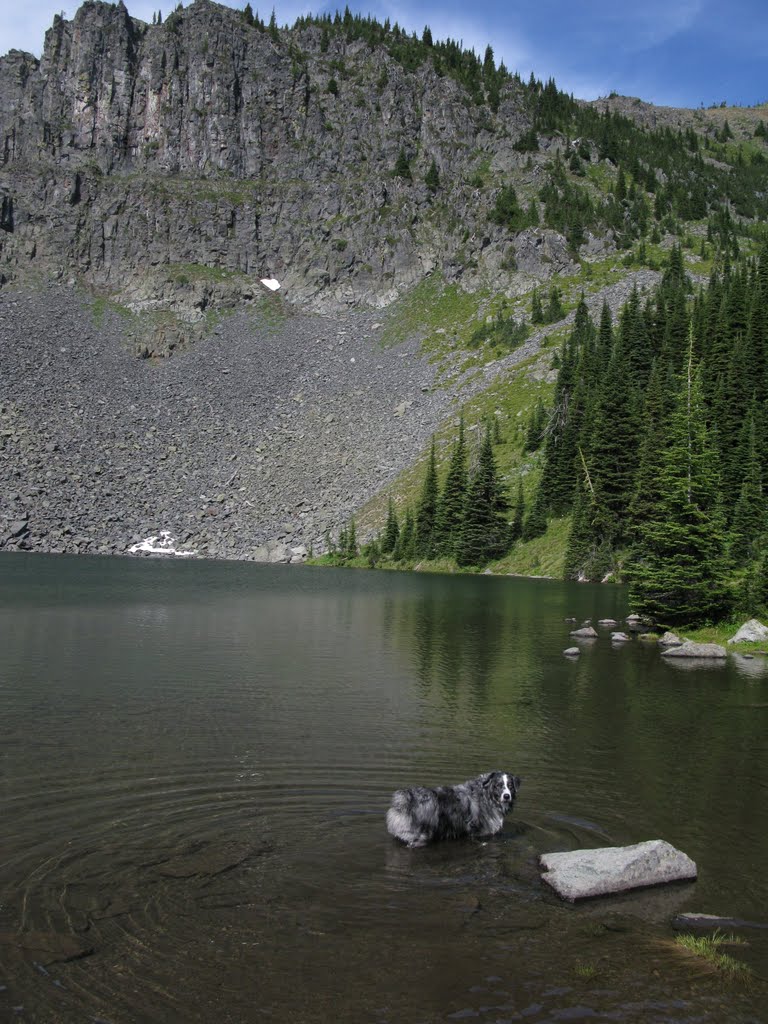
452,504
485,530
678,573
518,518
426,510
391,530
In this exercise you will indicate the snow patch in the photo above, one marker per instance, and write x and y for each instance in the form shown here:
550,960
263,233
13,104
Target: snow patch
164,544
271,283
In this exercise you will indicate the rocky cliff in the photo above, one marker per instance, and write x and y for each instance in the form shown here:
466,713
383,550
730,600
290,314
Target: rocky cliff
168,168
131,150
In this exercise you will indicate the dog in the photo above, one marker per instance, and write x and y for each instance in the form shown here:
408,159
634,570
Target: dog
474,808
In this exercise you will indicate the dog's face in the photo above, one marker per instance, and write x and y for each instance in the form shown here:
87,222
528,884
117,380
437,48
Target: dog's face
502,788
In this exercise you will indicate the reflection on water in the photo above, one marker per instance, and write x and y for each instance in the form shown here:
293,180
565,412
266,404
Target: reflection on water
197,758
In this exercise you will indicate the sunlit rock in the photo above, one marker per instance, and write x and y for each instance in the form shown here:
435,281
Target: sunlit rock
751,632
579,874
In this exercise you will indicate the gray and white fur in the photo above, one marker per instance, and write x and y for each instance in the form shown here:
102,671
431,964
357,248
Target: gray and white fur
420,815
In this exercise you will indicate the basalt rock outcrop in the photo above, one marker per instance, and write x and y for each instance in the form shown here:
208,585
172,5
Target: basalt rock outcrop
207,150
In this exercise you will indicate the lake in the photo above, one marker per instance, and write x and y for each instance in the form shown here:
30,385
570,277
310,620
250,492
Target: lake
197,757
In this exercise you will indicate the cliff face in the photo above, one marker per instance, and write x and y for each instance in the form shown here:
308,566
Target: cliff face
129,149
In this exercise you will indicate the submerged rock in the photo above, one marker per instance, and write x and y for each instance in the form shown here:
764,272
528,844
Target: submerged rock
620,638
751,632
572,652
690,649
208,861
583,873
586,632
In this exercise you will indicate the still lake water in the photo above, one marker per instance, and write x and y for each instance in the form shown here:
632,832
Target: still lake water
196,759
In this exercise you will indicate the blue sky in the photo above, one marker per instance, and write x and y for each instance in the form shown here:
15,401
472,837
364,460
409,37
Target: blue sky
671,52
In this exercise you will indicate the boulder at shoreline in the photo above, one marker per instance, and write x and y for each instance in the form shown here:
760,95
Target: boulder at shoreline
690,649
752,632
583,873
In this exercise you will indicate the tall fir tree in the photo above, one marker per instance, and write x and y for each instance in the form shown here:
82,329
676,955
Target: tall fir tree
749,523
453,499
426,510
391,530
678,572
405,546
518,517
485,530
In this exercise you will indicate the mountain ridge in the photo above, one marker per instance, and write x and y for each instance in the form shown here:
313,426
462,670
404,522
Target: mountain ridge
206,142
403,189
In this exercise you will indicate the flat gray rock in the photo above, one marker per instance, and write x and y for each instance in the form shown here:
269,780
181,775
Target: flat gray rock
620,638
613,869
752,632
572,652
690,649
586,632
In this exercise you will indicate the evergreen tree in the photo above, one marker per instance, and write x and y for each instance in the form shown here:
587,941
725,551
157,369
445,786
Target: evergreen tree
588,553
432,178
391,530
554,310
485,530
352,551
518,519
537,310
749,522
536,521
616,427
426,510
404,547
678,572
272,29
451,507
537,424
507,211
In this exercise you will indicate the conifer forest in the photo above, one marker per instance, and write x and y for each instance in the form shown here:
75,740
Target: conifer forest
656,446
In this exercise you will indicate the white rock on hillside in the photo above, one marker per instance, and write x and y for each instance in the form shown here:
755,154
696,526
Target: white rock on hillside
613,869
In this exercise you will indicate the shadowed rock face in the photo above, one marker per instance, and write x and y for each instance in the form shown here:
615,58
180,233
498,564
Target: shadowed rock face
204,141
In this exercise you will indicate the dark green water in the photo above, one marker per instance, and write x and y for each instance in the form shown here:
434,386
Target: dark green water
196,759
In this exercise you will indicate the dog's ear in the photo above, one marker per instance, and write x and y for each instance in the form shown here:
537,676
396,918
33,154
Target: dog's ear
516,782
487,779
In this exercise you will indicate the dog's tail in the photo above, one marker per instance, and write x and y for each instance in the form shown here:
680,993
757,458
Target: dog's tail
402,821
